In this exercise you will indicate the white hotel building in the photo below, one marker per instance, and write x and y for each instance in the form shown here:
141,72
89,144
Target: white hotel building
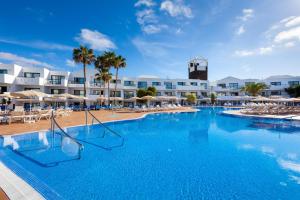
17,78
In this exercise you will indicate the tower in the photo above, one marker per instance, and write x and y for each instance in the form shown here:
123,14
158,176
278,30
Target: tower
198,68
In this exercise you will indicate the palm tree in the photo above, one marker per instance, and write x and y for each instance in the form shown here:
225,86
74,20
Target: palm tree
118,62
254,88
105,76
103,64
85,56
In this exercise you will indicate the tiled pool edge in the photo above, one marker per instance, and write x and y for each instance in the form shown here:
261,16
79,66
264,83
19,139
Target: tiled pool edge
33,185
235,114
15,187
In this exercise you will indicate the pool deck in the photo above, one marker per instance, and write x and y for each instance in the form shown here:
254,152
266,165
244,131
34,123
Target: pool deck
238,113
78,118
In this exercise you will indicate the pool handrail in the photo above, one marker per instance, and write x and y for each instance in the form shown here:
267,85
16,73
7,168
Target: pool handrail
54,122
106,127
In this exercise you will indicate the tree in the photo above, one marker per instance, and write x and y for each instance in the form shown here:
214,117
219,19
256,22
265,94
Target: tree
254,88
141,93
3,101
293,91
85,56
118,62
191,98
212,98
151,91
102,65
105,76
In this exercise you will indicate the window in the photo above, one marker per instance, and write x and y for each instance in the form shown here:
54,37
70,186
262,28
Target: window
233,85
181,83
194,83
169,85
275,92
168,93
293,83
234,94
114,81
31,75
156,83
97,82
78,80
96,92
3,89
79,92
183,94
3,71
57,91
204,85
128,94
37,89
204,94
142,84
275,83
56,80
118,93
128,83
158,94
222,85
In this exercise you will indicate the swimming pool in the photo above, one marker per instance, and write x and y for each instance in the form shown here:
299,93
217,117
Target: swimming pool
202,155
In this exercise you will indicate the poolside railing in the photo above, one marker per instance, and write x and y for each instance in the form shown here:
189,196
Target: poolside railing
64,133
106,128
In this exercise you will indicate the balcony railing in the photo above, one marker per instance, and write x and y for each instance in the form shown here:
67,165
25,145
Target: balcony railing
55,81
171,87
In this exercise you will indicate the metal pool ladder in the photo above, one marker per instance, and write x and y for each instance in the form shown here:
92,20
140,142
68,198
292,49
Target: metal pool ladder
106,128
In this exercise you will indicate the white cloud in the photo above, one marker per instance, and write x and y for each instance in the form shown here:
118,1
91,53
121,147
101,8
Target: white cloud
243,53
70,63
22,60
289,44
265,50
247,14
178,31
293,21
287,35
146,16
95,40
147,3
240,30
259,51
37,44
149,22
151,29
176,8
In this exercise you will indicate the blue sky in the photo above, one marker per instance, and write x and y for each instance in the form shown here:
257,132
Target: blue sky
242,38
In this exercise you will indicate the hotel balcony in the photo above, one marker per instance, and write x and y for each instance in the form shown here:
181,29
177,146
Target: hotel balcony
6,78
30,81
171,87
76,84
57,82
130,87
97,85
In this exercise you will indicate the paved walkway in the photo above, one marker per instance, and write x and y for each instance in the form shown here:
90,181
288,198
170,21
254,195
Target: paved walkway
75,119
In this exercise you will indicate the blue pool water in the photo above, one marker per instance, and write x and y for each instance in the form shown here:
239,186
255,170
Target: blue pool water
203,155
